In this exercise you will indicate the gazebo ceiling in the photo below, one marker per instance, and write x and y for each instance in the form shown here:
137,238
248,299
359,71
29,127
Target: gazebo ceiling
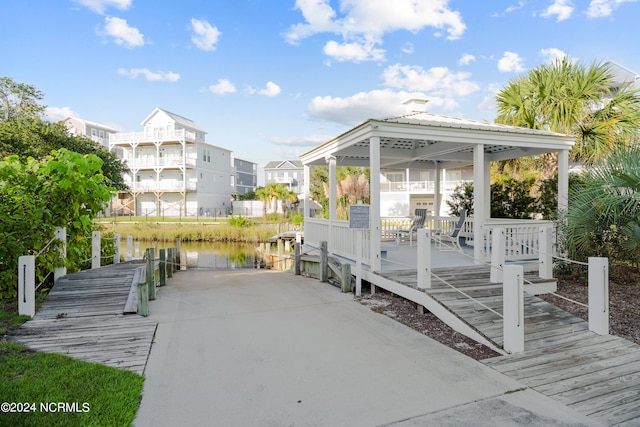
420,140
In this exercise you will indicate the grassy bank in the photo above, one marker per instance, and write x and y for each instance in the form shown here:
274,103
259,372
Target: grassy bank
45,389
192,232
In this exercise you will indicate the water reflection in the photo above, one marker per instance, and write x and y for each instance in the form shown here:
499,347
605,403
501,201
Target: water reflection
211,255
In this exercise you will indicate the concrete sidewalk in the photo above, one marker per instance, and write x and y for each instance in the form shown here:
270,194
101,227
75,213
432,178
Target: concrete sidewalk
265,348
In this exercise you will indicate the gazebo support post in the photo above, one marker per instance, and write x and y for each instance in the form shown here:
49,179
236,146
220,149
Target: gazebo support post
376,235
479,201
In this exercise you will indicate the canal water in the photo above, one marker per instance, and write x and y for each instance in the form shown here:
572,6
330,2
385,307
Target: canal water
209,255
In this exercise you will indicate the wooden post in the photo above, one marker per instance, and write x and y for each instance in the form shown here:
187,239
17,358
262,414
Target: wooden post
513,308
599,295
143,299
545,267
129,248
27,285
116,244
170,262
280,255
346,277
324,262
296,257
95,249
61,234
137,250
151,273
498,254
179,255
163,267
424,258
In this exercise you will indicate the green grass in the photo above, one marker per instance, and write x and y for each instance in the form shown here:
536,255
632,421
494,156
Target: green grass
103,396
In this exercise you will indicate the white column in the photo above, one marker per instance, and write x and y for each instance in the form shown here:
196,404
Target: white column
332,201
436,194
116,254
61,234
498,238
306,209
563,180
479,200
95,249
513,308
27,285
423,264
599,295
376,234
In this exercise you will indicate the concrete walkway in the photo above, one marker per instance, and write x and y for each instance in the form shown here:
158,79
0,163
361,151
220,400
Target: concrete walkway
264,348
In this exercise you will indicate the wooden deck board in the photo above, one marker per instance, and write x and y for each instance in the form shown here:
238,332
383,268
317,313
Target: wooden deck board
597,375
83,317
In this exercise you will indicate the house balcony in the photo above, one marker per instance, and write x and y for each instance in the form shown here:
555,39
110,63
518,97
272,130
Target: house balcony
131,138
420,187
162,162
162,186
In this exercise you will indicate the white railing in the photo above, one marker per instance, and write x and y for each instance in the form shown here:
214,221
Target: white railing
154,162
342,239
523,238
315,231
419,186
132,137
162,186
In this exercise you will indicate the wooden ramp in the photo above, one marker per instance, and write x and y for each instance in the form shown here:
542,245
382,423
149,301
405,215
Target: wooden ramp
596,375
83,317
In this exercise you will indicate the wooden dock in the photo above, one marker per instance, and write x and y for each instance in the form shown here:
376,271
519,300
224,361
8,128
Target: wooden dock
83,317
594,374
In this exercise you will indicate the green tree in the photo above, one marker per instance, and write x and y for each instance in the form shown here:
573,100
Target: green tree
604,209
25,134
65,189
572,98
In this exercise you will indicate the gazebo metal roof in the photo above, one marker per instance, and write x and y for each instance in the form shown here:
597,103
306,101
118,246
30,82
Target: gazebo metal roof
419,139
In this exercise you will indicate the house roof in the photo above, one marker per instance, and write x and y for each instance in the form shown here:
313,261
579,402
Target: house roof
182,121
284,164
419,140
91,123
621,74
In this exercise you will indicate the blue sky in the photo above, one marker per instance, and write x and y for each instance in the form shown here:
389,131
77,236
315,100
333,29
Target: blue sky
271,79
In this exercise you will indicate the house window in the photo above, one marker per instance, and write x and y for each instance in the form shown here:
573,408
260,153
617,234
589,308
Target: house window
94,132
208,156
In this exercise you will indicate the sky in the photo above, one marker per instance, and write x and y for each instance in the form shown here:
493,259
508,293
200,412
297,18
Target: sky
271,79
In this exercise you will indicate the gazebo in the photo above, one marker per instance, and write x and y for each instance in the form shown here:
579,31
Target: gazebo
420,140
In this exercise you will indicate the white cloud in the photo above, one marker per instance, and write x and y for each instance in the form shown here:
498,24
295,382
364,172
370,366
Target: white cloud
604,8
552,55
303,141
407,48
364,22
466,59
55,114
223,86
355,52
561,9
436,80
99,6
271,89
361,106
205,36
510,9
510,62
123,34
151,76
488,103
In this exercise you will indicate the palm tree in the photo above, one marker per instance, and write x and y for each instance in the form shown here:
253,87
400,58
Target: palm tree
569,97
604,218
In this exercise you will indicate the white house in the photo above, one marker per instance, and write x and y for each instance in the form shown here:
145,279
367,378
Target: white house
97,132
173,171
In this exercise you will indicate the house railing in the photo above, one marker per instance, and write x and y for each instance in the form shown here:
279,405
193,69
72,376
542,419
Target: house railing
156,136
525,240
419,186
153,162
